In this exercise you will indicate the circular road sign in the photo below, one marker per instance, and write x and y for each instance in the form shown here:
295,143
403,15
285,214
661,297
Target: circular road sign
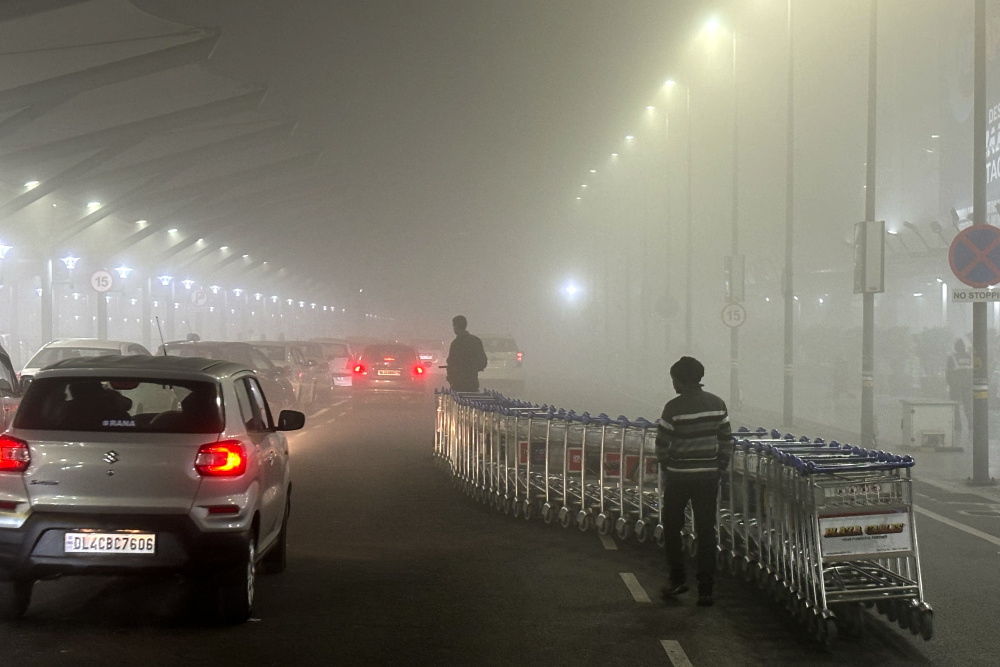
974,256
733,315
199,298
101,280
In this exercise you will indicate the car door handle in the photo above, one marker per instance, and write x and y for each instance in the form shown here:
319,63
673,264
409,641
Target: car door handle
270,457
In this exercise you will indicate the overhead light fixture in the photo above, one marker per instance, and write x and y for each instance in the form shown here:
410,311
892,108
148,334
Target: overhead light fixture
31,185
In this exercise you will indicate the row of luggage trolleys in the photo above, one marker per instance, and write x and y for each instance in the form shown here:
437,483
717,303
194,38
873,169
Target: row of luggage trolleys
825,528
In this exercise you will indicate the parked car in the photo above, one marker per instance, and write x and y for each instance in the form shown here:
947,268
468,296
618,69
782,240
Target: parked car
72,348
433,354
10,390
277,387
388,370
504,369
339,359
315,357
307,379
176,466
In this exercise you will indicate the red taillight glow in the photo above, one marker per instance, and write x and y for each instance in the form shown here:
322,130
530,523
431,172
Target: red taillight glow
221,459
418,370
388,358
360,370
519,355
14,454
223,509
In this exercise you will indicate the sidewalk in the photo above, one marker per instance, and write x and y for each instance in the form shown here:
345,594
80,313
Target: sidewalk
951,471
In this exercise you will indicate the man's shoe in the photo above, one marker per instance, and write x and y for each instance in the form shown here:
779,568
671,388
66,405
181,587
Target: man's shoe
706,600
672,591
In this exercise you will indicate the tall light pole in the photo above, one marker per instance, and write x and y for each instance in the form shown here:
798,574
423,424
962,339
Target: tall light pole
688,219
736,260
787,287
980,367
868,310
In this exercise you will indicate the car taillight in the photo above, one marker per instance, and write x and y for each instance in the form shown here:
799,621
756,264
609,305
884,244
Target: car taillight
360,370
519,355
221,459
418,370
14,454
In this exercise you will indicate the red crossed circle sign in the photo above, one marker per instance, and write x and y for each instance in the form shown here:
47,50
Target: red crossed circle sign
975,256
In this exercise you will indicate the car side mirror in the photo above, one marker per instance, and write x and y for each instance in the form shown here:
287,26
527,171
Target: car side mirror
5,386
291,420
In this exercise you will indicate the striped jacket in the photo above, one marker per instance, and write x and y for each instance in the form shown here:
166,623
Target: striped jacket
694,435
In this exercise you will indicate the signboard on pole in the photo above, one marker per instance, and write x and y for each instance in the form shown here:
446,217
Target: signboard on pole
974,256
101,280
869,255
734,315
199,298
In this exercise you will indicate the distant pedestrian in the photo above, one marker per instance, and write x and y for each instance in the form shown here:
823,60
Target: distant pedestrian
958,373
466,357
694,444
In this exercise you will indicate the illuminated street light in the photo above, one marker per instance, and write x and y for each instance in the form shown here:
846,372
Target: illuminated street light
4,249
246,256
188,283
225,247
31,185
274,299
164,280
650,108
172,230
123,271
237,292
593,171
571,290
629,137
669,83
302,304
712,26
70,261
215,289
142,222
258,296
93,205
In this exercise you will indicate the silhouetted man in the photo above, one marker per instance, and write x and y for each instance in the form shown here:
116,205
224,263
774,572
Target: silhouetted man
694,444
466,357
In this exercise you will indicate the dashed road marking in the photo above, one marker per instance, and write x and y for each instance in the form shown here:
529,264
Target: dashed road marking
678,658
959,526
320,412
341,414
608,542
340,402
634,587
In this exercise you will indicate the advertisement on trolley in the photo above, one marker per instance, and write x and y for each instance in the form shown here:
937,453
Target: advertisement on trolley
859,534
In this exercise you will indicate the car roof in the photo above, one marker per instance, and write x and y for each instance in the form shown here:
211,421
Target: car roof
88,342
144,365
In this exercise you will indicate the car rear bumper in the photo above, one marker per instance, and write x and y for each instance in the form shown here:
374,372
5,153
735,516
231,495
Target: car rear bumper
35,550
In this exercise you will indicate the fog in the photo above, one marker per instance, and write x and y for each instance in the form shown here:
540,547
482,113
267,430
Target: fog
452,157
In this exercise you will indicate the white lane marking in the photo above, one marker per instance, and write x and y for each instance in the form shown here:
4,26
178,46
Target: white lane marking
678,658
320,412
341,414
634,587
960,526
340,402
608,542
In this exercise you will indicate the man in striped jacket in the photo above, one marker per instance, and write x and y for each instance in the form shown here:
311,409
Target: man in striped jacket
694,443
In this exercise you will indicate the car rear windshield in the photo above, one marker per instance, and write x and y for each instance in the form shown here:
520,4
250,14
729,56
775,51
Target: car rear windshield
275,353
51,355
491,344
335,350
397,352
120,405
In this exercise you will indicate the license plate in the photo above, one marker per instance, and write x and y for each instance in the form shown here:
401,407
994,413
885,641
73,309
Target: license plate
110,543
342,381
392,373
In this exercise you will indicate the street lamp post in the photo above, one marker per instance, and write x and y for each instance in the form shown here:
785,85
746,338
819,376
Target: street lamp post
736,268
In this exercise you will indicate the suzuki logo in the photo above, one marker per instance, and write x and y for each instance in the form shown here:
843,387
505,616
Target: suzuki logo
111,457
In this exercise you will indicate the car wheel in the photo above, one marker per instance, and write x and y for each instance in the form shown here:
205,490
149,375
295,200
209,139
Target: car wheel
237,592
275,560
14,599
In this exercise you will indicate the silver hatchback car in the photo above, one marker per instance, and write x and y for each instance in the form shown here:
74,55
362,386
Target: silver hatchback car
118,465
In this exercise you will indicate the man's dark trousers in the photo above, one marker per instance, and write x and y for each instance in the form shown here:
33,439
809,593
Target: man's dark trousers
702,490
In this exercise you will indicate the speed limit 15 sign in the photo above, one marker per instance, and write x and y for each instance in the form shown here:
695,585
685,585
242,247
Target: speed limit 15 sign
733,315
101,280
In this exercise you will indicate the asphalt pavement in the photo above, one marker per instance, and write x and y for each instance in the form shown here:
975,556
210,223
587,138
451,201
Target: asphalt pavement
390,563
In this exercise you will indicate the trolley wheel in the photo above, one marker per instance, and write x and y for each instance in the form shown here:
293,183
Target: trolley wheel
658,535
903,610
528,511
584,520
882,606
548,513
830,633
641,531
927,623
623,528
892,611
749,569
565,517
690,543
813,620
516,507
506,505
485,496
604,524
762,577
